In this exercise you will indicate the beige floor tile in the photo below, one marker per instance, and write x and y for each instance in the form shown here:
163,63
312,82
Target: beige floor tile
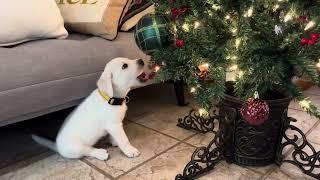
166,121
53,168
304,121
313,91
295,105
231,172
288,172
314,136
171,163
164,167
150,143
200,139
262,170
278,175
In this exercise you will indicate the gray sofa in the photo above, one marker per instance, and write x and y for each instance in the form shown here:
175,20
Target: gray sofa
44,76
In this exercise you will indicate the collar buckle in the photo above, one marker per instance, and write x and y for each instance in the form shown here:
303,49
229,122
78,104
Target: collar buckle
116,101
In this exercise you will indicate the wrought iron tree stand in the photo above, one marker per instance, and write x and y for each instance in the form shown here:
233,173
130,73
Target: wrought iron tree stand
204,159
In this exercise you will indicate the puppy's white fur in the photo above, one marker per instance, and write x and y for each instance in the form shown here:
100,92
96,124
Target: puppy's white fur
95,118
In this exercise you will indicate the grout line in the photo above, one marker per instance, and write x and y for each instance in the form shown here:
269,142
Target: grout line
157,155
268,173
148,160
162,132
26,162
186,139
97,168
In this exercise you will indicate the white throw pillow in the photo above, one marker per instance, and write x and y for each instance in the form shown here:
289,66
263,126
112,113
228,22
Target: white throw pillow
26,20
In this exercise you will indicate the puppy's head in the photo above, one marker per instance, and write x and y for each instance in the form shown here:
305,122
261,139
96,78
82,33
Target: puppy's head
120,75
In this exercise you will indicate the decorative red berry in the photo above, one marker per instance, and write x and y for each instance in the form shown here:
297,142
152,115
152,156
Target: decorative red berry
175,12
255,111
179,42
304,41
311,42
314,36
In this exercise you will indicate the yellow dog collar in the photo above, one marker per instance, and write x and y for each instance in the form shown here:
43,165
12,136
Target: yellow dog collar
113,100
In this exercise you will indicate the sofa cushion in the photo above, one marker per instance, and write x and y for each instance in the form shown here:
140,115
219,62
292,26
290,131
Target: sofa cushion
96,17
23,21
49,60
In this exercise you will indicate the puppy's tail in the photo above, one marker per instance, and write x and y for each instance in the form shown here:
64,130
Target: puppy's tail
45,142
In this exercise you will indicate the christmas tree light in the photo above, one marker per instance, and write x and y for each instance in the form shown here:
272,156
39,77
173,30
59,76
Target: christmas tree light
185,27
233,67
276,7
318,65
203,112
305,104
288,17
193,90
309,25
196,24
249,12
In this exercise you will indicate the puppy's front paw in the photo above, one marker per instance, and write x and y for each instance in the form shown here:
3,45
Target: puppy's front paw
100,154
131,152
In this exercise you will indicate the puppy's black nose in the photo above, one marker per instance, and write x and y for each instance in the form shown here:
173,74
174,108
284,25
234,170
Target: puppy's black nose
140,62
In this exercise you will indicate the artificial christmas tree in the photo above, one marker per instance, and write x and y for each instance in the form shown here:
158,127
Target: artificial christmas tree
259,45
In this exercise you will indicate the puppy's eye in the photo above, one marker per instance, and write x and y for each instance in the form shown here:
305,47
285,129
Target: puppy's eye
124,66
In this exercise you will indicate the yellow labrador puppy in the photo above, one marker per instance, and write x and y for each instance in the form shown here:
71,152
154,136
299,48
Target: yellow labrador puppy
100,113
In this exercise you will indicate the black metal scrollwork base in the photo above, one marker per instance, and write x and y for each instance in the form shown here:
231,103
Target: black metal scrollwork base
204,159
194,121
304,156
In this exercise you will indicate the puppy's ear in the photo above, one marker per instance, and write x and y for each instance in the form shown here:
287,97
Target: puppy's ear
105,82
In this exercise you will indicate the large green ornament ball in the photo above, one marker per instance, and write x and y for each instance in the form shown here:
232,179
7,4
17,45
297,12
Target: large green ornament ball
152,32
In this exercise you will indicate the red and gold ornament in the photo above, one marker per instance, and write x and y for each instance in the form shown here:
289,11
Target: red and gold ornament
203,71
255,111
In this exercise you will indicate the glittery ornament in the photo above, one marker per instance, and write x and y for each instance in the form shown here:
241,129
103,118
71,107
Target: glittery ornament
255,111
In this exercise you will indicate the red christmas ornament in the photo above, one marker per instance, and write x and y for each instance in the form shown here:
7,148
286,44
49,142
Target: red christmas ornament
175,12
304,41
171,1
255,111
179,43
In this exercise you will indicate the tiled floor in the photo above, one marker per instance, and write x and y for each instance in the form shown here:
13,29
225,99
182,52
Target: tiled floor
165,148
